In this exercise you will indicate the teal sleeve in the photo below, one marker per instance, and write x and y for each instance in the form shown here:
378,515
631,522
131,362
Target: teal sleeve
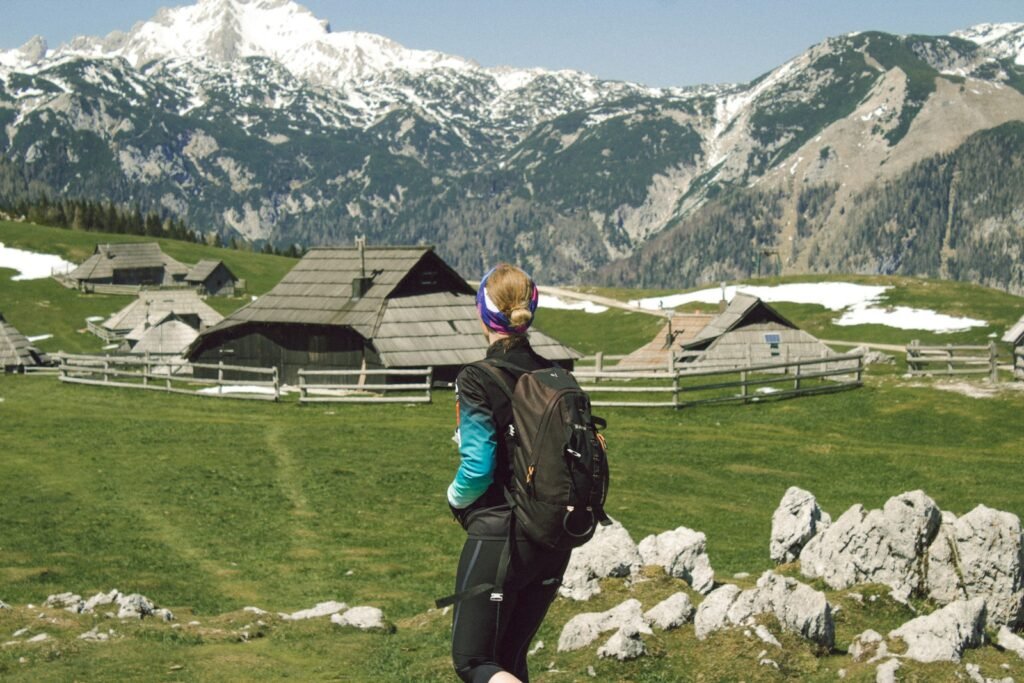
478,448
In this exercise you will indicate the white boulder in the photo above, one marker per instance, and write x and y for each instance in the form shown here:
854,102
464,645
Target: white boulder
868,646
713,611
321,609
683,554
670,613
1010,641
624,644
364,618
134,606
796,521
881,546
610,553
584,629
943,635
980,555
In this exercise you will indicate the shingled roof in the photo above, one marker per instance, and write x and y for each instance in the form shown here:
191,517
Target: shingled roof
157,304
742,308
202,270
15,349
414,307
107,258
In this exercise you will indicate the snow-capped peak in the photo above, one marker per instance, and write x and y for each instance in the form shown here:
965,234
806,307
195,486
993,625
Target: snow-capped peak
222,31
999,40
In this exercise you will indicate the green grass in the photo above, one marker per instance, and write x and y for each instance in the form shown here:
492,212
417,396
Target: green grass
209,505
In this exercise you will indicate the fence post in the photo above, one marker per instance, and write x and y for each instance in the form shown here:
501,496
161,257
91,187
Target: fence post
743,385
675,388
145,369
277,386
106,370
220,376
796,380
303,391
912,353
860,369
949,359
598,365
993,365
430,383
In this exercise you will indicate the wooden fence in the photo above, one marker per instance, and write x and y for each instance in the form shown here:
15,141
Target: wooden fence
359,391
1018,362
953,360
171,375
685,387
103,333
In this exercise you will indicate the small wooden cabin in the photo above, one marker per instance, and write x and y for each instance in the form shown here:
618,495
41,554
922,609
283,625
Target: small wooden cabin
129,263
212,277
353,308
152,306
750,332
16,352
1015,338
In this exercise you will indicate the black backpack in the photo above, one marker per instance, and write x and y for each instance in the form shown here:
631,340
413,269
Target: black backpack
559,466
558,471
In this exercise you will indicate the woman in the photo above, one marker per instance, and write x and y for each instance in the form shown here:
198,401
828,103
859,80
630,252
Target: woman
490,638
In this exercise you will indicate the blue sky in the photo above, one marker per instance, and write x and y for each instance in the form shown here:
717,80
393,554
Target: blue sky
656,42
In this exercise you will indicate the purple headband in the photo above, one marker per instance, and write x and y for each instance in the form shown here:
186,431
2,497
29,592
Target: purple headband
493,318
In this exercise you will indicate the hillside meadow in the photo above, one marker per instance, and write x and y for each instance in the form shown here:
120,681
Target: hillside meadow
210,505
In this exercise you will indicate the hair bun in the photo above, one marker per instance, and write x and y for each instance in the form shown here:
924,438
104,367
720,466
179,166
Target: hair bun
520,316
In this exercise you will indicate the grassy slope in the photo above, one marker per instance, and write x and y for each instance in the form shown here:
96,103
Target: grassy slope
207,506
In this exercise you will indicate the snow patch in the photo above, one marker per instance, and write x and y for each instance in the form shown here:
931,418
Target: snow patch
553,302
859,304
32,265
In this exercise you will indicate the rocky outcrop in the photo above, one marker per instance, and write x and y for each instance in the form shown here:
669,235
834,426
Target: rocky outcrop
797,519
670,613
610,553
944,634
683,554
131,606
363,618
884,546
798,608
321,609
584,629
980,555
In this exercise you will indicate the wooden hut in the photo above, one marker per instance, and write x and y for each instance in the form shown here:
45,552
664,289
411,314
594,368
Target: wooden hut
129,263
151,306
1015,338
16,352
750,332
680,329
350,308
171,335
212,277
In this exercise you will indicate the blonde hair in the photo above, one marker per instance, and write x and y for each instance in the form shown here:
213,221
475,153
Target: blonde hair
510,289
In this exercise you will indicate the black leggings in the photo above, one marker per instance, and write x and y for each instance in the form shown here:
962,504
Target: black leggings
489,637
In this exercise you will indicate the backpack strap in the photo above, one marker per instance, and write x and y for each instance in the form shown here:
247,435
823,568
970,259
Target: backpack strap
497,588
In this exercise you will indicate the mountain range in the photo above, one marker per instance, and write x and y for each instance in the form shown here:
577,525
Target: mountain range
869,152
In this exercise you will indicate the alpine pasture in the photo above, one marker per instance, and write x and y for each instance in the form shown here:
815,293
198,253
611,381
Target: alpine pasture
207,506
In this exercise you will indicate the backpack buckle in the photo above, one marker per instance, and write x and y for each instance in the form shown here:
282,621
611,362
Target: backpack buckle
497,597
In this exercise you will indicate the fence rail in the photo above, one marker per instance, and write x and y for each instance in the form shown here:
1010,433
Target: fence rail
359,391
743,385
953,360
102,332
170,375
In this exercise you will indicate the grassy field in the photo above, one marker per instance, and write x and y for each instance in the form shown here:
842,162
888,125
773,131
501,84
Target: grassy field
207,506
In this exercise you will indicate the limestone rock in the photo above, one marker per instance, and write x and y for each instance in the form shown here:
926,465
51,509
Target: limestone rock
584,629
1008,640
683,554
944,634
364,618
610,553
4,605
624,644
95,635
797,519
798,608
881,546
670,613
980,555
67,601
100,600
713,611
134,606
869,646
886,671
321,609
